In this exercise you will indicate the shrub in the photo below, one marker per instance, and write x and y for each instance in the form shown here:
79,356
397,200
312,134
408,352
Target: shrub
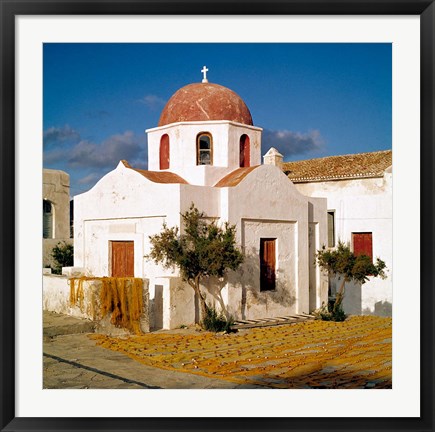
63,256
216,322
342,261
330,313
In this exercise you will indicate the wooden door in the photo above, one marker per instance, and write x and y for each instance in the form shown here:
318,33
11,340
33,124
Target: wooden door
267,264
363,244
122,258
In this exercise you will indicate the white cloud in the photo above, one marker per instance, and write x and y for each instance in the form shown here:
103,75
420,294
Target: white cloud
107,154
291,143
60,135
153,101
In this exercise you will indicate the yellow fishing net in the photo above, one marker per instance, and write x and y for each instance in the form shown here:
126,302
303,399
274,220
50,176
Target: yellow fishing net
120,296
312,354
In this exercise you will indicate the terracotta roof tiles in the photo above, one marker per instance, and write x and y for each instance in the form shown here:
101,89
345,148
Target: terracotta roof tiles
161,176
359,165
235,177
158,176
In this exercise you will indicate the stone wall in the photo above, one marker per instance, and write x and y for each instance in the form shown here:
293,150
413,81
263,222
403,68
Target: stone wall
56,298
56,191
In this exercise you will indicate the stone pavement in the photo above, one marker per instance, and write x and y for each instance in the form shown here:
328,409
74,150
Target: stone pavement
73,361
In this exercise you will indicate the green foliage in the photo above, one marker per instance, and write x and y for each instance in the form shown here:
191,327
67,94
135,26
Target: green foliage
63,256
344,262
216,322
330,313
203,249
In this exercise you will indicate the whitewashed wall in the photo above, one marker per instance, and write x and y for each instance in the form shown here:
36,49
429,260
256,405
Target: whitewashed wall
362,205
266,204
124,205
182,137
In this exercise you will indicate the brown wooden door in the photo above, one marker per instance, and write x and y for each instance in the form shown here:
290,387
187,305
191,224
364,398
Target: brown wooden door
363,244
267,264
122,258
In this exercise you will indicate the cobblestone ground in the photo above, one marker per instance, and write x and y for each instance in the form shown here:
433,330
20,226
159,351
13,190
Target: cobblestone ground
314,354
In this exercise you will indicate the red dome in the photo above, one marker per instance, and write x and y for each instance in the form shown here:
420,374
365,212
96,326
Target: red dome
205,101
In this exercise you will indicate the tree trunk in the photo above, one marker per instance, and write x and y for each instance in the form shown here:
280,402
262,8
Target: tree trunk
202,304
339,296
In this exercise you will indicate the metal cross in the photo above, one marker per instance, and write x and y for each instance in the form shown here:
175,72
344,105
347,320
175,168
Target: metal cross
204,70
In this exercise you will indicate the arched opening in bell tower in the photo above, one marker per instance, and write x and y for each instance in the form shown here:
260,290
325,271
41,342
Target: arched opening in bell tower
245,149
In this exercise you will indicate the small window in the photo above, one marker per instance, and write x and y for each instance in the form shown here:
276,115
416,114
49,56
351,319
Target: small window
267,264
204,149
331,228
164,152
363,244
244,151
47,219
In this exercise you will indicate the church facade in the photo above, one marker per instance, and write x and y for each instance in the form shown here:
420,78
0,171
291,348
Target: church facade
206,150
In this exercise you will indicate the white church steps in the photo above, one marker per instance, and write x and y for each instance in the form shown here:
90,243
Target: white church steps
268,322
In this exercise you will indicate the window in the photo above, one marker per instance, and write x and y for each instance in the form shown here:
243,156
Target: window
331,228
47,219
267,264
244,151
204,149
164,152
363,244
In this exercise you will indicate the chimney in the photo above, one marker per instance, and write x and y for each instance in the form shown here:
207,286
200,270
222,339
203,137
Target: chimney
273,157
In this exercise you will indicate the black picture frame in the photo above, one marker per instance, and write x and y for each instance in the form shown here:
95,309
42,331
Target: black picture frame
12,8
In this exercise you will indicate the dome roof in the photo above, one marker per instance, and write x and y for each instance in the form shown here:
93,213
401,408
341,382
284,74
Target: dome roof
205,101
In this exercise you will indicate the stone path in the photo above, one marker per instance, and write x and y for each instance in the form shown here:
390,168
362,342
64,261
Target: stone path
73,361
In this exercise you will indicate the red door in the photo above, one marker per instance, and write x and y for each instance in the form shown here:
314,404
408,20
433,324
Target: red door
363,244
122,258
267,264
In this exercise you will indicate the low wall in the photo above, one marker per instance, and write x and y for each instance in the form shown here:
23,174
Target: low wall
172,303
56,298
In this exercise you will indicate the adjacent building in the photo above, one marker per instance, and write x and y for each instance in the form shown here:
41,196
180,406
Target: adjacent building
55,212
358,189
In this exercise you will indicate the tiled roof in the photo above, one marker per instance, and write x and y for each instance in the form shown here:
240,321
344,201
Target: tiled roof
158,176
235,177
162,176
359,165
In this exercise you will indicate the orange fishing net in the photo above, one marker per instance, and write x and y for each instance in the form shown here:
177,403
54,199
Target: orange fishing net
120,296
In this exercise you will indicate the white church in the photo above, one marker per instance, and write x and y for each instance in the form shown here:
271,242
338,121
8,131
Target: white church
207,151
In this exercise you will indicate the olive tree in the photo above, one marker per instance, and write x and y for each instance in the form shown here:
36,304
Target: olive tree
200,250
343,262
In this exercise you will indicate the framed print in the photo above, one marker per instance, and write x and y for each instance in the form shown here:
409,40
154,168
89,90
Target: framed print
347,85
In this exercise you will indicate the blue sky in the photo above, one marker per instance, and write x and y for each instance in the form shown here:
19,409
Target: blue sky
312,100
